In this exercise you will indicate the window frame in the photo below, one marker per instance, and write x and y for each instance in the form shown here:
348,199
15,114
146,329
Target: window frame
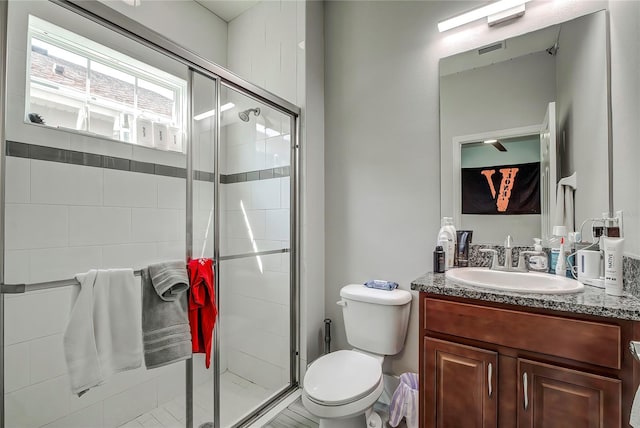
44,31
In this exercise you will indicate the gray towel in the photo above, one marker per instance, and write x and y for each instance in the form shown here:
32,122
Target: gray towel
165,322
170,279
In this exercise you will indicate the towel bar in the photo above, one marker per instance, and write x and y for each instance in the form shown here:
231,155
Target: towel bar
634,348
21,288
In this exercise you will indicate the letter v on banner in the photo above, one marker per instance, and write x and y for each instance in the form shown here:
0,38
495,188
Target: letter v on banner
506,185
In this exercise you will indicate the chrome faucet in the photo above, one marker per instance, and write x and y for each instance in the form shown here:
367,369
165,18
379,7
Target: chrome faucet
508,261
508,257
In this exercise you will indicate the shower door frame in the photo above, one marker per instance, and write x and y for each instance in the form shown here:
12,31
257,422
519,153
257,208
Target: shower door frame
115,21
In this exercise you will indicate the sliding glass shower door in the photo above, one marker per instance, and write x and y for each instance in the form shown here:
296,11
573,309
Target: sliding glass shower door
254,272
244,224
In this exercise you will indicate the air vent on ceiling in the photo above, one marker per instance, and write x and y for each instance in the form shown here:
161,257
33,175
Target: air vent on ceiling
491,48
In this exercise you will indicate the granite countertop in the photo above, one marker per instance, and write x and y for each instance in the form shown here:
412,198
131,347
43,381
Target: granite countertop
591,301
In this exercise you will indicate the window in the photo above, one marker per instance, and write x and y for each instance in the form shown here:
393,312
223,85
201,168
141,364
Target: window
75,83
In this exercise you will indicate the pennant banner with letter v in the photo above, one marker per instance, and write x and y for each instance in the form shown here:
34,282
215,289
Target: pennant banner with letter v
506,189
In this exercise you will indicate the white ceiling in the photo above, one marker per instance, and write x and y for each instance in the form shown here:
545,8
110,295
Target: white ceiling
228,9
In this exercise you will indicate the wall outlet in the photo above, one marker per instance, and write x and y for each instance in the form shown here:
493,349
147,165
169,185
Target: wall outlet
620,224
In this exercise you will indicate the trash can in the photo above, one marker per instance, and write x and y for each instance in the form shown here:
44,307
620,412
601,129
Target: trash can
404,402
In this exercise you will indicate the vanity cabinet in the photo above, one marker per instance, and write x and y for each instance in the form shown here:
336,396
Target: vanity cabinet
553,396
463,388
487,365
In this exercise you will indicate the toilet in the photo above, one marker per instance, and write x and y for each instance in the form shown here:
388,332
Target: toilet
341,387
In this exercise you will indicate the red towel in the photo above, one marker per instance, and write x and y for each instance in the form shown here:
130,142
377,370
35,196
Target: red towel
202,306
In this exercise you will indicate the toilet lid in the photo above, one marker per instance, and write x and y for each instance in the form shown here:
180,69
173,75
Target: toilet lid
342,377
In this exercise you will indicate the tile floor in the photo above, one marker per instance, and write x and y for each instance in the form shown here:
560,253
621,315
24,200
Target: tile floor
294,416
239,397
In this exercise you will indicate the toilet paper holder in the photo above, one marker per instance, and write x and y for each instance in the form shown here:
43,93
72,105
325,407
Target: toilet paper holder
634,348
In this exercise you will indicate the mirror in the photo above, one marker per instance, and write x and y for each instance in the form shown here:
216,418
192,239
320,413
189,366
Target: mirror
544,97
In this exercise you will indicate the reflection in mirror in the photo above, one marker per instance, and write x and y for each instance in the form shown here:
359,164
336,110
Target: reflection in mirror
551,83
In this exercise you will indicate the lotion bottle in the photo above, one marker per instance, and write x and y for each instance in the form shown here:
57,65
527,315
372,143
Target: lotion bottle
447,239
613,262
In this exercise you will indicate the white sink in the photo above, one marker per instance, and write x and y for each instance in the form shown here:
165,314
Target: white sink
523,282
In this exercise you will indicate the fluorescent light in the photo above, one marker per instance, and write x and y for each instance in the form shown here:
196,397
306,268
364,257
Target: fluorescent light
479,13
490,141
210,113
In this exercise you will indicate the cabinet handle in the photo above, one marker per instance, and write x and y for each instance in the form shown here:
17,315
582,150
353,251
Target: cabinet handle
525,390
489,376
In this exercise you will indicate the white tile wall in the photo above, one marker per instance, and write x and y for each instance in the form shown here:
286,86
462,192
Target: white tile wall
46,358
278,225
37,404
130,189
62,184
285,191
254,369
129,255
265,194
63,219
61,263
36,315
278,152
15,357
36,226
99,225
19,262
19,172
91,416
131,403
172,192
154,225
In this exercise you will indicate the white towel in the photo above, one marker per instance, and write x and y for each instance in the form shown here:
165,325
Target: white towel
104,333
564,202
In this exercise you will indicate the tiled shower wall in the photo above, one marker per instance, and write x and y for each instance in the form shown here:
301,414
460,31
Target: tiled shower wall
64,218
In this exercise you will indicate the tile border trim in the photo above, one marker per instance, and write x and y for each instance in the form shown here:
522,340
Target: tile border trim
51,154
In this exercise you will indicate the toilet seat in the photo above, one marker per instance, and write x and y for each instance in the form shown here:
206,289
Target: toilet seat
342,377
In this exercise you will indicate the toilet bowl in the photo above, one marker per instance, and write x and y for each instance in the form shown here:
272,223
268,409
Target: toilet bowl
341,388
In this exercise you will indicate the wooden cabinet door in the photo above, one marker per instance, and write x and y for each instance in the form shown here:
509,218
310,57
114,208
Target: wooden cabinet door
556,397
460,389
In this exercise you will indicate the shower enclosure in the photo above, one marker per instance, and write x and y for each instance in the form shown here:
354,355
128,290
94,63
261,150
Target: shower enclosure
155,155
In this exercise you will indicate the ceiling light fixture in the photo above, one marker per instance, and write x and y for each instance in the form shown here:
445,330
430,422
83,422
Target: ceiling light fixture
495,13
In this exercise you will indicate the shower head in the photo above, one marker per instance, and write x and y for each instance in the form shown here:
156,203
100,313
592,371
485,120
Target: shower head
244,115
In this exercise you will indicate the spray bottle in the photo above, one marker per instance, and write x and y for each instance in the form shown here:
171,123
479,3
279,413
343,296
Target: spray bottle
561,264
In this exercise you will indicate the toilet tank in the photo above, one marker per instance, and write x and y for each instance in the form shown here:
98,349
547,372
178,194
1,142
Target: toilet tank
375,320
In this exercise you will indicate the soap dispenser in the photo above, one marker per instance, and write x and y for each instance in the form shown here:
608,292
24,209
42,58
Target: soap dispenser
538,263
